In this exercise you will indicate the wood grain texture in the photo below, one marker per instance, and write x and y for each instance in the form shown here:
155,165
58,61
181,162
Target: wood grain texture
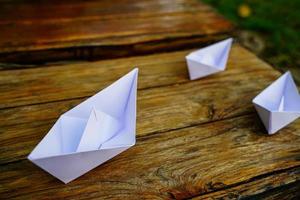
284,182
285,192
55,30
194,138
57,82
177,164
176,103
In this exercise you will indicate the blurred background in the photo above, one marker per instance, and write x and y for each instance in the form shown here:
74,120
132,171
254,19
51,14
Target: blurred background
271,29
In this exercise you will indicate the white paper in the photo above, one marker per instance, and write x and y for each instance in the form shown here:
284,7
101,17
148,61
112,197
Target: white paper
279,104
91,133
208,60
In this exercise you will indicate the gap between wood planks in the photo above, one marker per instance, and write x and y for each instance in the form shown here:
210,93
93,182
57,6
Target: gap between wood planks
103,53
281,172
288,191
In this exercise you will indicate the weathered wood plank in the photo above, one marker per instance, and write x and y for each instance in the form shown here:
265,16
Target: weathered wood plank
181,164
57,11
159,109
284,181
285,192
53,83
87,29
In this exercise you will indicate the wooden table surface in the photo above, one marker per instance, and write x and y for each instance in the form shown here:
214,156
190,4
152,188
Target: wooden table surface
39,31
197,139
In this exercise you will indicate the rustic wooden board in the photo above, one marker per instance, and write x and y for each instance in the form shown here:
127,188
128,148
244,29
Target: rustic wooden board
39,31
57,82
163,104
194,138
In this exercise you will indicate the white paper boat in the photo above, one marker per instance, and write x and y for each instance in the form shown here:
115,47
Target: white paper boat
279,104
91,133
208,60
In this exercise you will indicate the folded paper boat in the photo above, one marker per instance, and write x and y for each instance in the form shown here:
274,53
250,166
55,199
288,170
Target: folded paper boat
91,133
279,104
208,60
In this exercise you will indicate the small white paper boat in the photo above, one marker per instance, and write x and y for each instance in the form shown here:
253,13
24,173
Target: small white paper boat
208,60
279,104
91,133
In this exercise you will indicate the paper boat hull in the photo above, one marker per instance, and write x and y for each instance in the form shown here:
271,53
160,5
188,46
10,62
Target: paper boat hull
199,70
69,167
278,104
274,121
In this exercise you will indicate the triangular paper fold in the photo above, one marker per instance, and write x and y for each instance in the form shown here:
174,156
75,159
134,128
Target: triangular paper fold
208,60
100,128
279,104
91,133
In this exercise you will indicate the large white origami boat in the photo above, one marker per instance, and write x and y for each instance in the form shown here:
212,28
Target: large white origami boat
279,104
208,60
91,133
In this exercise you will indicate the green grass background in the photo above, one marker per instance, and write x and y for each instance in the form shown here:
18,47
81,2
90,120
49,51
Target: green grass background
276,21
